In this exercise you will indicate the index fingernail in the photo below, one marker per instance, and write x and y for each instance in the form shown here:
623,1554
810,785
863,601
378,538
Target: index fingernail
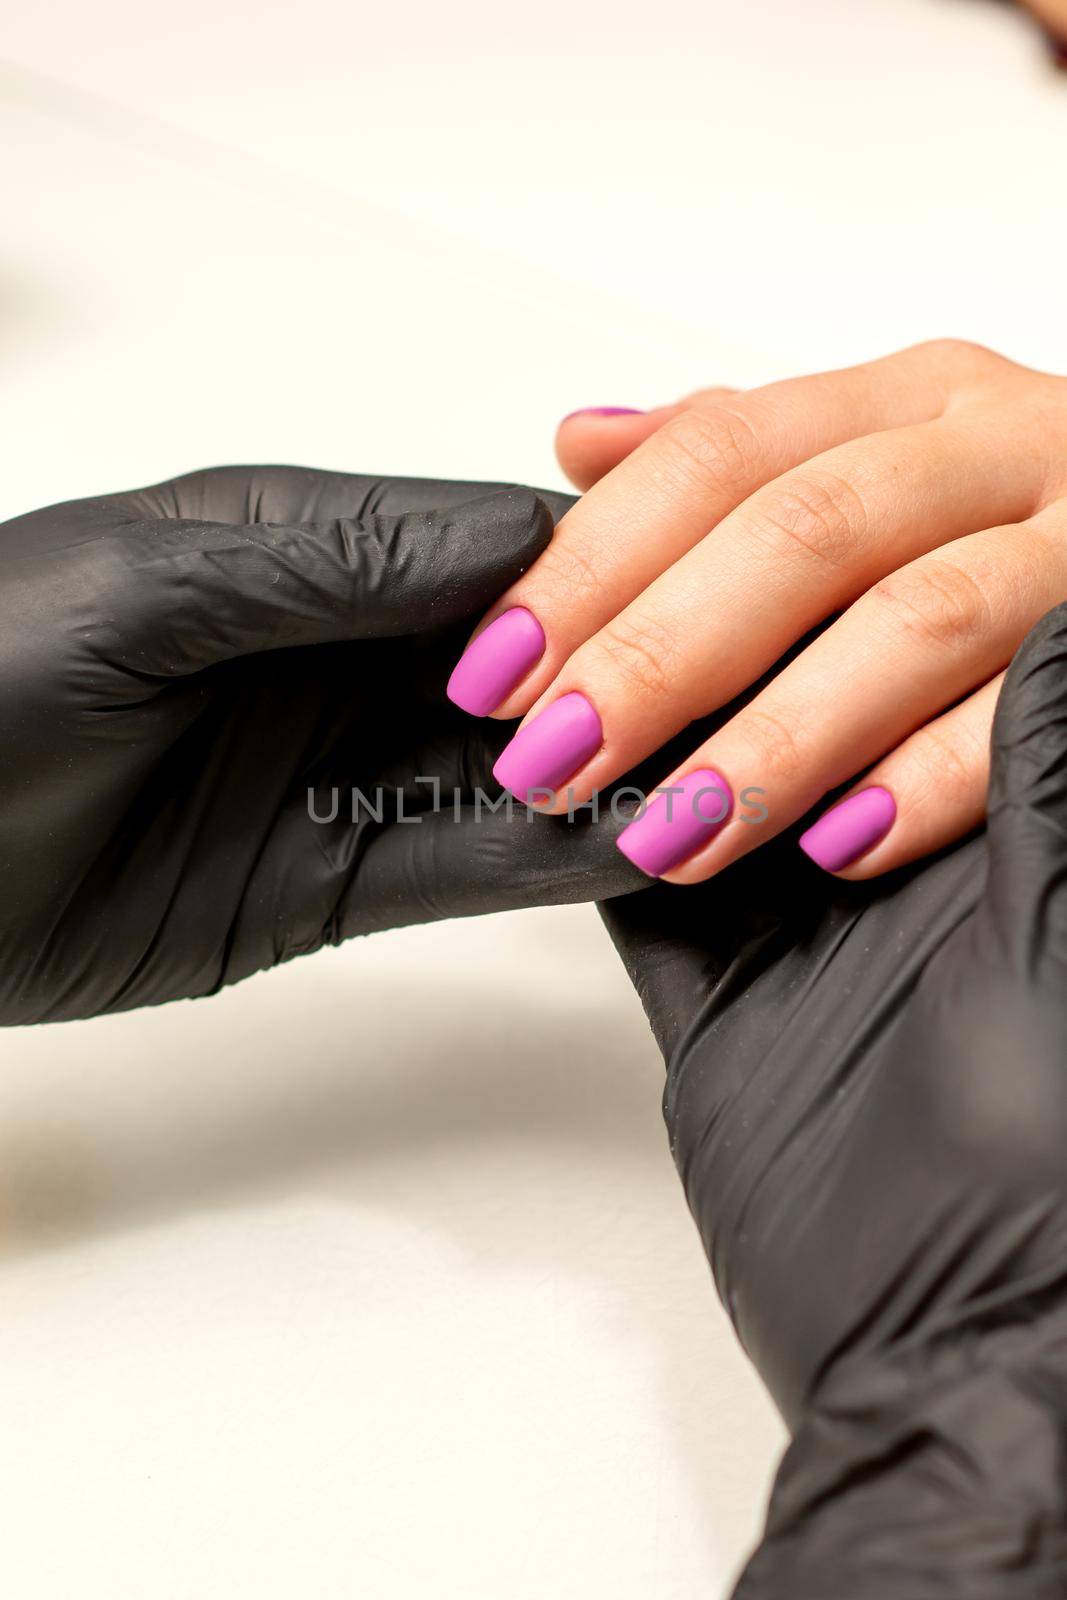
605,411
496,661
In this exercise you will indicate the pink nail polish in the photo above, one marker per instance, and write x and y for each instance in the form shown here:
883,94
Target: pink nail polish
605,411
849,829
551,748
677,823
494,663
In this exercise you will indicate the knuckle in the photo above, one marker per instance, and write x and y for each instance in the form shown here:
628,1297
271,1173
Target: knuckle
947,766
641,652
714,395
776,745
569,570
813,515
963,355
935,602
967,371
711,447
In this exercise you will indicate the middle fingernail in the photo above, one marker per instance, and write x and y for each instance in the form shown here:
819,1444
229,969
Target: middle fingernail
551,748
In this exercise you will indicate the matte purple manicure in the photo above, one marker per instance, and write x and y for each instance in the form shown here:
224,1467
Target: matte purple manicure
677,823
605,411
551,748
494,663
849,829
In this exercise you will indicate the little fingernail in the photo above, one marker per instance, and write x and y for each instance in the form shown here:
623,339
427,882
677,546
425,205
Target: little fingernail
678,822
605,411
849,829
551,748
494,663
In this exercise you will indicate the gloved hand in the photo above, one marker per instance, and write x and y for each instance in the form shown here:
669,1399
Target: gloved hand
178,668
867,1102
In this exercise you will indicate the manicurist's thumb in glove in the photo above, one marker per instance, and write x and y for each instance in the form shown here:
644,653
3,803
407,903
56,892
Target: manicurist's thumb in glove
194,680
867,1103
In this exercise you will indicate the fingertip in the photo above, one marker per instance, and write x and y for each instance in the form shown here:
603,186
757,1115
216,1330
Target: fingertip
850,829
604,411
518,512
677,821
450,563
496,661
503,533
591,441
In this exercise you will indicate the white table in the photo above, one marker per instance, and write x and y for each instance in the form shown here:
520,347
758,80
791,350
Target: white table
294,1303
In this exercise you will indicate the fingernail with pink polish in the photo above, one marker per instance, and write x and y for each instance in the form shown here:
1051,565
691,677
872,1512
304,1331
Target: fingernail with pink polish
676,823
605,411
551,748
496,662
849,829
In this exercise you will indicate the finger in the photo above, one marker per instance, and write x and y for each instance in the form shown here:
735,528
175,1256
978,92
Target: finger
933,633
186,595
589,443
690,474
796,551
284,494
926,794
479,860
414,848
1026,900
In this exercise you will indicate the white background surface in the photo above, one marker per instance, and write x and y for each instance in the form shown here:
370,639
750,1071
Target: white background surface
308,1290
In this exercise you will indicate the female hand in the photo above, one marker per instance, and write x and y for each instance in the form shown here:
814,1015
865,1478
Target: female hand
914,509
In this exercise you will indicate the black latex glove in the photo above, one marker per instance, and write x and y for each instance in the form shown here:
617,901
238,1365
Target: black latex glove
867,1102
179,665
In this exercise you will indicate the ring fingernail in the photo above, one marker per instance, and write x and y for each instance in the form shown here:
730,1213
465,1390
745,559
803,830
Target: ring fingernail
496,662
849,829
678,822
551,748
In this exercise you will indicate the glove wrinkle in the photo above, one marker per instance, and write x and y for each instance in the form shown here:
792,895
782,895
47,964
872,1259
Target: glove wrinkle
925,1473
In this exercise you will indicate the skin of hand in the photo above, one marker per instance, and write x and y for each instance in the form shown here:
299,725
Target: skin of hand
189,672
866,1098
907,517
